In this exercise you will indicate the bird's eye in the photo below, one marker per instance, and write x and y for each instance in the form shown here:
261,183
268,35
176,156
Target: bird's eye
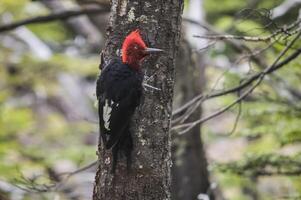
135,47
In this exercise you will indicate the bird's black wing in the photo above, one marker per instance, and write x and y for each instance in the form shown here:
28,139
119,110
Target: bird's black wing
118,91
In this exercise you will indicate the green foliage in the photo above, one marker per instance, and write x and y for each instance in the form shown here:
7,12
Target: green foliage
35,134
21,117
264,165
232,184
15,7
271,121
51,32
254,166
229,7
270,118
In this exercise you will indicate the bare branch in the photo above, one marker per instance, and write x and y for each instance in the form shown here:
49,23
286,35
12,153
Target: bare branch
268,38
237,44
259,77
236,37
52,17
95,2
189,126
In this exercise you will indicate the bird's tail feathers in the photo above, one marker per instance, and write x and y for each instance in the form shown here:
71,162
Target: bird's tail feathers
123,148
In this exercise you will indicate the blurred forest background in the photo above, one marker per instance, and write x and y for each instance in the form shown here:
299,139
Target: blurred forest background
48,115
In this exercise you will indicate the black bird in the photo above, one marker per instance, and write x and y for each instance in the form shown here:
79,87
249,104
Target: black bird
119,89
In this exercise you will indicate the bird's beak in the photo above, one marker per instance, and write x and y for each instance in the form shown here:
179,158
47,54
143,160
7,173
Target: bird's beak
153,50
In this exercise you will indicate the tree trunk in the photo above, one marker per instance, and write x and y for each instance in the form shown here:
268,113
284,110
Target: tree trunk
149,178
190,175
189,172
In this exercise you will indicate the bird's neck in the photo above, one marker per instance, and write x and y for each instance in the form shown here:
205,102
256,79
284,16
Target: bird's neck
132,62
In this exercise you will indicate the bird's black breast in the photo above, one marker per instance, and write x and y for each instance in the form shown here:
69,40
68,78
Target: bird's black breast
118,81
119,90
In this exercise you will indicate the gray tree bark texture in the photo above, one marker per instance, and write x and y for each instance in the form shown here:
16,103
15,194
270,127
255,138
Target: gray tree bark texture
149,178
189,171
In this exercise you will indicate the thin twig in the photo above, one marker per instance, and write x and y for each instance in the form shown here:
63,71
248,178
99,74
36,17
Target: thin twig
70,174
243,85
84,168
150,86
236,118
30,185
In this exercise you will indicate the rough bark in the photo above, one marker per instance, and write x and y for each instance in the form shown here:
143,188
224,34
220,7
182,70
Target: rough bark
189,172
159,22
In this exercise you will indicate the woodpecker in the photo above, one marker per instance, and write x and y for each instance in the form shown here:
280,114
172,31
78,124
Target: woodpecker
118,90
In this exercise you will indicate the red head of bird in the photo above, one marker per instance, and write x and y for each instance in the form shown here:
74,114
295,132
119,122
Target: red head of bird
134,50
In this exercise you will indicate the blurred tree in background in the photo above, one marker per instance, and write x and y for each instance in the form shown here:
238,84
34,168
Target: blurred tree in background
48,121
